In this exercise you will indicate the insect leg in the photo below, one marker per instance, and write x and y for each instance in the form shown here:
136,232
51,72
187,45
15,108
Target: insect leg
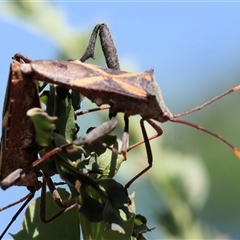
21,172
30,197
98,132
16,202
125,137
57,199
108,46
147,146
155,127
91,110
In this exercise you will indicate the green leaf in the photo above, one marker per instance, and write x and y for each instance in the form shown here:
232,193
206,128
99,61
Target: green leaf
63,227
44,125
59,104
140,226
90,207
108,211
44,97
110,162
53,165
76,151
77,98
90,163
100,232
117,194
111,219
97,147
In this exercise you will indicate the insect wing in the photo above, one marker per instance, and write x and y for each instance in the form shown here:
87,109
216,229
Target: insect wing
86,78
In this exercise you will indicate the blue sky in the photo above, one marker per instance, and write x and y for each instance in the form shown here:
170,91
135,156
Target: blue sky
178,39
193,47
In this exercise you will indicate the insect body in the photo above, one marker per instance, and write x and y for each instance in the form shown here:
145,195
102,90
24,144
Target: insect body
19,173
130,93
18,131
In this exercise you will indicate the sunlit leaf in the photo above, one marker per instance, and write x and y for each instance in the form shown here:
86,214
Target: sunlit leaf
99,231
64,227
44,125
90,207
112,221
110,162
59,104
140,227
107,160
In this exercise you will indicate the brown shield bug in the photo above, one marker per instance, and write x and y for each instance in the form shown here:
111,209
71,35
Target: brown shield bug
129,93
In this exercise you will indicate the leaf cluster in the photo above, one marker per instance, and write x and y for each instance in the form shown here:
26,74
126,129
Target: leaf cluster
102,202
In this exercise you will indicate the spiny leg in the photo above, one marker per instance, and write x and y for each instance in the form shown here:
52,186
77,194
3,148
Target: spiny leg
125,140
105,128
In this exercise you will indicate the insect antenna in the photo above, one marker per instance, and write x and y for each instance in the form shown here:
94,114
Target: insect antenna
236,151
176,116
207,103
